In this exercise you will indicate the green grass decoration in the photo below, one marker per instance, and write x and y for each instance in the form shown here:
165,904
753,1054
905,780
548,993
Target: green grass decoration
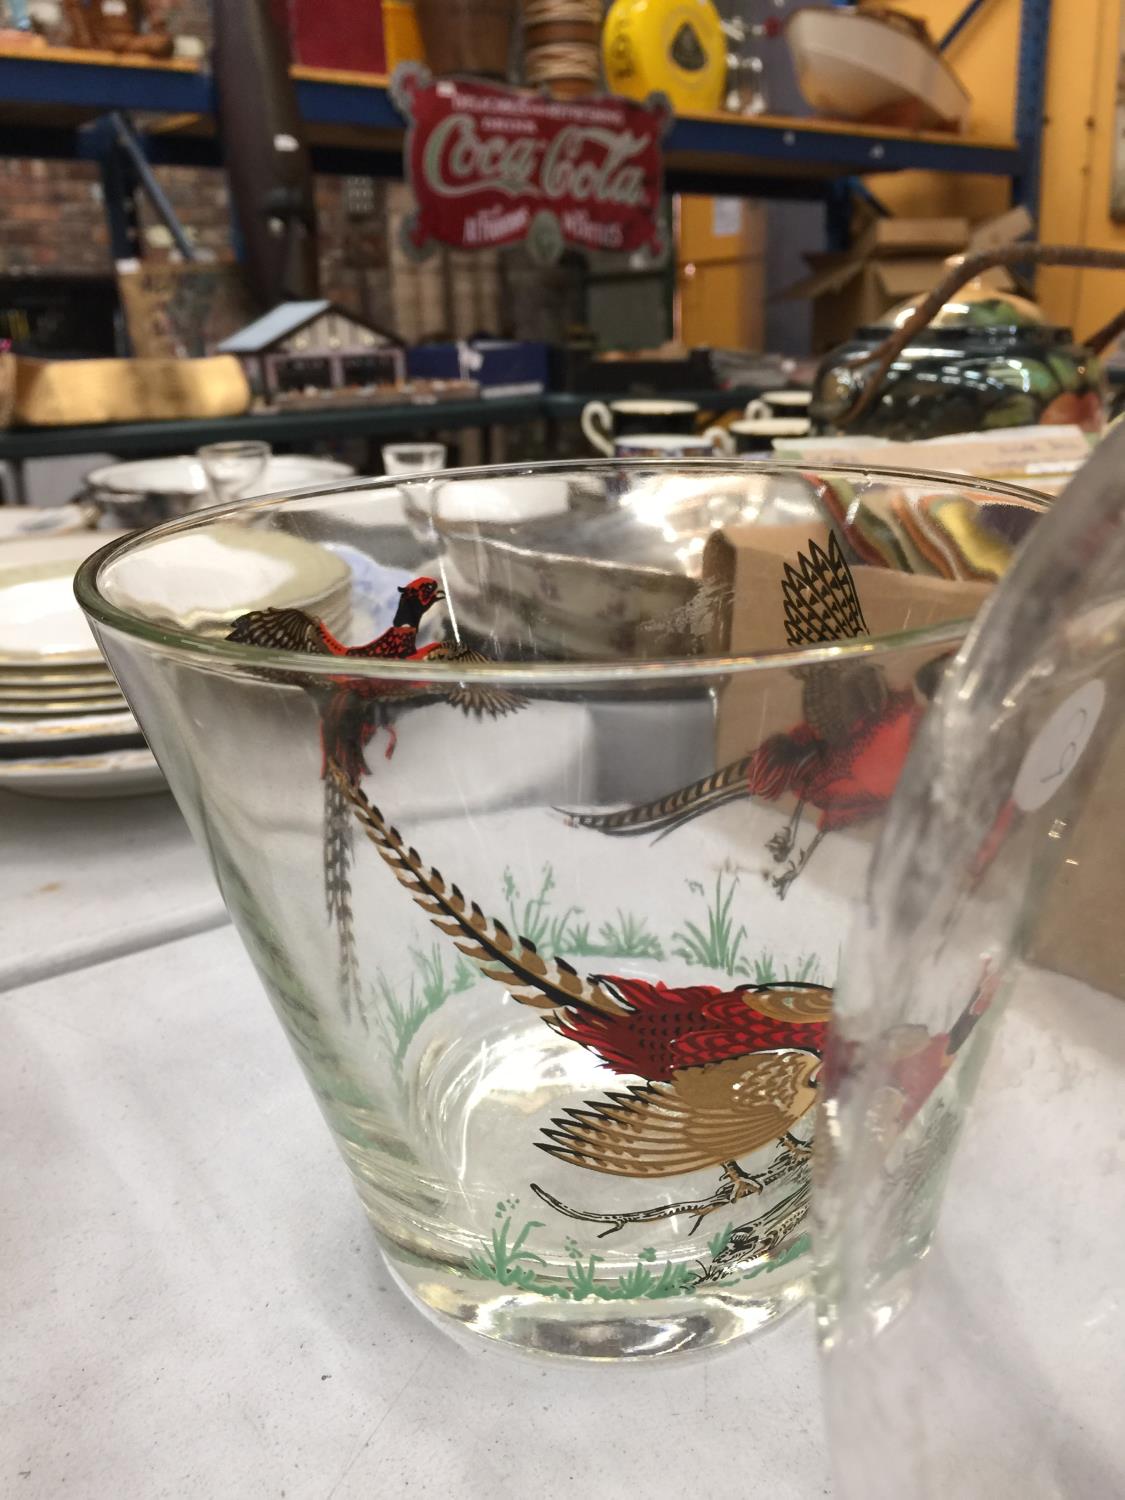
800,1246
533,919
628,936
508,1261
719,1242
562,932
718,944
430,988
805,971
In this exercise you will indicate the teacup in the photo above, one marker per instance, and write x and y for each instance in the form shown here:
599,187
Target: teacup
793,403
601,424
757,434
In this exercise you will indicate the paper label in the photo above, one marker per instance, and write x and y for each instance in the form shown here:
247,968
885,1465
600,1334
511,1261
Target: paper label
1059,746
726,217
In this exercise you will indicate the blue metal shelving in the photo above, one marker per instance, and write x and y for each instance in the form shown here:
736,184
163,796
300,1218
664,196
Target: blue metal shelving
56,105
70,105
46,101
1031,90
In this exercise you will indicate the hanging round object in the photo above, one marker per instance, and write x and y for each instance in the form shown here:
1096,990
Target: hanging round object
674,47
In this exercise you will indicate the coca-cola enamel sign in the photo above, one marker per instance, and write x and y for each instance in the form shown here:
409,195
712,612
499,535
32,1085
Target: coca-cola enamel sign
493,166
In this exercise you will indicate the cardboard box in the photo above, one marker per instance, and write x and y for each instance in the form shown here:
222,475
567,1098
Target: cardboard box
182,311
501,367
1079,931
70,392
884,239
1016,224
848,293
345,34
892,260
744,567
1040,458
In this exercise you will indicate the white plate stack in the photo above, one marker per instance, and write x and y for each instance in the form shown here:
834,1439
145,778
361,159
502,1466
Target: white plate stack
65,729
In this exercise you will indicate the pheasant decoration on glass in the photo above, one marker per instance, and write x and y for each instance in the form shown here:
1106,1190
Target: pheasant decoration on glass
722,1074
844,757
352,710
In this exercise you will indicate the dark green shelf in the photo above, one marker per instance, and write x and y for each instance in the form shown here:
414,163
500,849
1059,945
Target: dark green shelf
282,429
287,429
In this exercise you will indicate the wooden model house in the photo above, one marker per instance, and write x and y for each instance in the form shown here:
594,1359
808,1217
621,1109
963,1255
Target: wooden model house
315,347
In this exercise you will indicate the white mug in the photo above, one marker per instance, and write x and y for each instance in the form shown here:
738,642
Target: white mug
716,440
778,404
758,434
632,415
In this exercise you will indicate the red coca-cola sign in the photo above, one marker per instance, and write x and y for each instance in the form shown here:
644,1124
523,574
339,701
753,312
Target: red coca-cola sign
492,166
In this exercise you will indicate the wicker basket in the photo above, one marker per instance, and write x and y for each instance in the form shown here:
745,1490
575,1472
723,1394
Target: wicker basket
467,36
561,46
68,392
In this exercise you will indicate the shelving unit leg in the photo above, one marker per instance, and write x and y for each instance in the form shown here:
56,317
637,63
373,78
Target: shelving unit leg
1031,88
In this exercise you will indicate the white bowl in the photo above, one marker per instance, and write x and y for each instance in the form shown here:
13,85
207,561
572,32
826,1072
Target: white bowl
148,490
860,67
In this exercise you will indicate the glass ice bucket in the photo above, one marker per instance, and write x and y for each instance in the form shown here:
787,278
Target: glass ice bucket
542,799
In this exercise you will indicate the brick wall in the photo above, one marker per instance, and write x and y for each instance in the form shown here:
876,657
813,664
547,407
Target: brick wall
52,221
52,217
352,228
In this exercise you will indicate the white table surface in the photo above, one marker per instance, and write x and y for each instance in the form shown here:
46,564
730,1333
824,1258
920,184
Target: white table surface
192,1303
87,880
196,1306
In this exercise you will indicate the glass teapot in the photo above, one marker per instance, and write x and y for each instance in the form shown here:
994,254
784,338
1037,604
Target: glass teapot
966,358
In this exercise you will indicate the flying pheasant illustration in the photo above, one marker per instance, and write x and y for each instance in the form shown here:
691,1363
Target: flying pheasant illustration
843,758
352,709
724,1073
350,713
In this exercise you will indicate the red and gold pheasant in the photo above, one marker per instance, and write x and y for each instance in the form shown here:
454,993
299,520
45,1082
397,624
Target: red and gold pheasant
351,711
723,1073
845,756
